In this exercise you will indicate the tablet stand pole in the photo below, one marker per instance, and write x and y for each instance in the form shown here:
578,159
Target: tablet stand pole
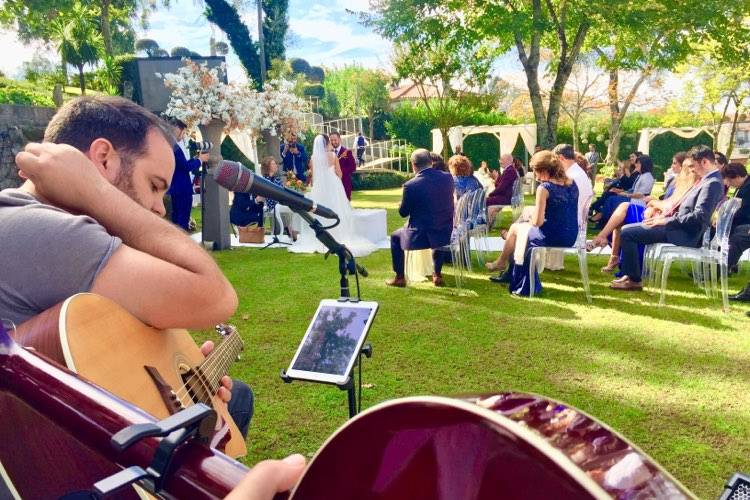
348,384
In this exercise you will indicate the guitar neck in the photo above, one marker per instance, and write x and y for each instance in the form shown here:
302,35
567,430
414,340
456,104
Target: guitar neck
216,364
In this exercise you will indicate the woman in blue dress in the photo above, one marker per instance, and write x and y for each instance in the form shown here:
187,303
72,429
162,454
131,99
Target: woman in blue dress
554,222
462,171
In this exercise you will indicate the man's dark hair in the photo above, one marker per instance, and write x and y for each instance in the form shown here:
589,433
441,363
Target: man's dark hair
335,133
438,163
637,154
702,152
721,158
175,122
733,171
647,164
122,122
566,151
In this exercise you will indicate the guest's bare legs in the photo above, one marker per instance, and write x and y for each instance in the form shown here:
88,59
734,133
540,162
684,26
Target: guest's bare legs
615,222
510,245
492,212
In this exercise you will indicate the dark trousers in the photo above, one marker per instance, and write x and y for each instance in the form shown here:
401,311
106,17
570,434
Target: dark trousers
739,241
633,235
360,156
241,405
397,254
181,206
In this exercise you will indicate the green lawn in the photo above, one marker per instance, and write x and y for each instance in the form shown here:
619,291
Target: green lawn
672,379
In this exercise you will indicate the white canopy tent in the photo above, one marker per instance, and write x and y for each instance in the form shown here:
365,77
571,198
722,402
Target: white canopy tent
647,134
506,134
244,141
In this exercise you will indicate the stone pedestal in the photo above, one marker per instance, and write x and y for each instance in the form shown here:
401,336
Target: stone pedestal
215,198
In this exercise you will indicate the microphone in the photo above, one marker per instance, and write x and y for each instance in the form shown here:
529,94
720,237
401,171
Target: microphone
234,176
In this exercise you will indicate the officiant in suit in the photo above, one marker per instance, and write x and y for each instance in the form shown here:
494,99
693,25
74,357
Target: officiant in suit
346,162
428,202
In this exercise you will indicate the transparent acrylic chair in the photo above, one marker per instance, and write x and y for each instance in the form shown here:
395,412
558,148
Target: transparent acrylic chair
536,260
706,258
478,227
459,244
516,202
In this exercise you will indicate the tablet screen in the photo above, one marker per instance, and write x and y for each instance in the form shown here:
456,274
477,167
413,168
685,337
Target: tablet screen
334,338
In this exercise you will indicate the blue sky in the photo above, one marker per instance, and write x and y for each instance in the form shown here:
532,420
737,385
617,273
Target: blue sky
324,33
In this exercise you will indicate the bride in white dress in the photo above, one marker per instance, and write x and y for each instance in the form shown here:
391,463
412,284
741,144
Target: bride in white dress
327,190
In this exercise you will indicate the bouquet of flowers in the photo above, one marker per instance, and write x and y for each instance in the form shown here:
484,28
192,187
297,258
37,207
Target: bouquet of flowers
199,95
292,182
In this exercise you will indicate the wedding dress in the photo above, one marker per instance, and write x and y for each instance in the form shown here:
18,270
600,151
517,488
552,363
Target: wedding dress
327,190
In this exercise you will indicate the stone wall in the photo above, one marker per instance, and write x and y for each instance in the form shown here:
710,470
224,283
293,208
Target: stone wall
18,125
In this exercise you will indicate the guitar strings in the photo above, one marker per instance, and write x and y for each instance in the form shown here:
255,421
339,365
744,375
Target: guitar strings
184,391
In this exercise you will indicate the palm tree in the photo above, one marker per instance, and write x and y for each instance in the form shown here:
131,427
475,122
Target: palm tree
79,42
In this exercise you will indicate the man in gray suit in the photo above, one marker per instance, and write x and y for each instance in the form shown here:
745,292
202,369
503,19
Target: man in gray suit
683,228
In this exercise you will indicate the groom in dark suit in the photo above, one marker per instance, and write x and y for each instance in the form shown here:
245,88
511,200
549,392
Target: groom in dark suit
685,227
428,202
346,162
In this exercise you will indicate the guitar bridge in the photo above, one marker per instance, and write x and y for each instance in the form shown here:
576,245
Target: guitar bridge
165,391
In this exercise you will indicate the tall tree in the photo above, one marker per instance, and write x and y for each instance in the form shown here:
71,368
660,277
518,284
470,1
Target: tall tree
358,91
225,16
528,26
275,27
78,40
582,94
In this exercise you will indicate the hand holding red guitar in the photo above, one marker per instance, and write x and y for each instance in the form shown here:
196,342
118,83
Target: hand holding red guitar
269,477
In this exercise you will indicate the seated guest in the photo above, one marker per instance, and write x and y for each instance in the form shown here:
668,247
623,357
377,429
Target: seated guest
503,192
554,221
246,210
683,228
584,164
735,175
428,202
484,176
181,187
632,212
669,177
438,163
519,167
91,213
641,189
460,168
624,180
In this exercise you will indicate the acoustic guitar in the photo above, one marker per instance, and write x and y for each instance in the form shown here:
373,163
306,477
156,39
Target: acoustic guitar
56,430
160,371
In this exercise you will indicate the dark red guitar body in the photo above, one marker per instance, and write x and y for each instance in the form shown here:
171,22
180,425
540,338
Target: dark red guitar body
56,429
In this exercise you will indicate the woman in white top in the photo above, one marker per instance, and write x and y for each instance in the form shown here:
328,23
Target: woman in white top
327,190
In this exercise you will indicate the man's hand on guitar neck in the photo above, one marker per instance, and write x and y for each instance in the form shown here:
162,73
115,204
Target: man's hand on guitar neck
225,390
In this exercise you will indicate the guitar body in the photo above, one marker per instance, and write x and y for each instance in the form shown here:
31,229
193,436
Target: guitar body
506,445
104,343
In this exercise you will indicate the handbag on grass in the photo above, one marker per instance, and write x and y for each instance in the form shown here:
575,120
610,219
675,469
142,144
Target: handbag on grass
251,234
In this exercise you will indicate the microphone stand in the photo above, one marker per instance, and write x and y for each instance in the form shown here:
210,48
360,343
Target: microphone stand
347,263
347,266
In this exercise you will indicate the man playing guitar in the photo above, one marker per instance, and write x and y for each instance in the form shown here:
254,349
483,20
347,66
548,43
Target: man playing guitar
84,220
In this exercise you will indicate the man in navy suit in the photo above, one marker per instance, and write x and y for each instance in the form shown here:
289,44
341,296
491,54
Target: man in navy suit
181,187
428,202
685,227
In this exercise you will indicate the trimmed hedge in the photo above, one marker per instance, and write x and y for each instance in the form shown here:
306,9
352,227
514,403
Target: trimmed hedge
378,180
15,92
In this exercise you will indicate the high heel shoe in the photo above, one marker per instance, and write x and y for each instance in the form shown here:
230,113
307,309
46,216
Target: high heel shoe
614,261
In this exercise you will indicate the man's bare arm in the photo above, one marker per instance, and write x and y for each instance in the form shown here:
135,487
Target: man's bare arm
159,274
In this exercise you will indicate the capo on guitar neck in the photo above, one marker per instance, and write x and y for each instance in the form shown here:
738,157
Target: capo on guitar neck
196,422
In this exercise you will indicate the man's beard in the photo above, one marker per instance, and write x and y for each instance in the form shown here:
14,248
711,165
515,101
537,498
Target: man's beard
124,181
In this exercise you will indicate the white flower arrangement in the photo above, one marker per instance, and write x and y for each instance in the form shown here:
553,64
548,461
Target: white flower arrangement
199,96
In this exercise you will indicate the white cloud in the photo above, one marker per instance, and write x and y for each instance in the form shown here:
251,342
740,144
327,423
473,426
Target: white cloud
15,53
